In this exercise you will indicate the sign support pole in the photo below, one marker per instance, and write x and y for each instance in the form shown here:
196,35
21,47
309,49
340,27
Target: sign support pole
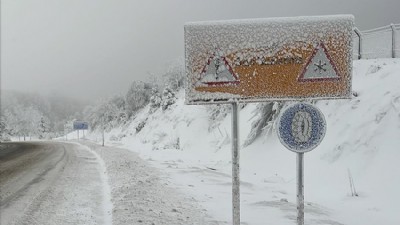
235,166
65,132
300,188
103,136
301,128
78,134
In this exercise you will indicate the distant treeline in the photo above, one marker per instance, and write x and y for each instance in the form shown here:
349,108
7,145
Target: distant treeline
32,115
27,115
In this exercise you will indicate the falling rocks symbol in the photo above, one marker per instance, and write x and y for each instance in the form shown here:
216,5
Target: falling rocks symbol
217,72
301,127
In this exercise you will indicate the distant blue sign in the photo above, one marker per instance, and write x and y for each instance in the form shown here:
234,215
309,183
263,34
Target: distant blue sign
301,127
81,125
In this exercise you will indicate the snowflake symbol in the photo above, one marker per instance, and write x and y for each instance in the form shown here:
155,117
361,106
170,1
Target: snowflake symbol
320,67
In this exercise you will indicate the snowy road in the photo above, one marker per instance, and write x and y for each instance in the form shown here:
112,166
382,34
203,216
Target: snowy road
83,183
50,183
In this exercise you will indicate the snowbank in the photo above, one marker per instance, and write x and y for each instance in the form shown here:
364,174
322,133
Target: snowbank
362,140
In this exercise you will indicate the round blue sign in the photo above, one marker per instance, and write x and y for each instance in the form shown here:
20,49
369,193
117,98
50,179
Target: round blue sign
301,127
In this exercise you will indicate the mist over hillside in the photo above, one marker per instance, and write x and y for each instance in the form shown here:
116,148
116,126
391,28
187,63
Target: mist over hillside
34,115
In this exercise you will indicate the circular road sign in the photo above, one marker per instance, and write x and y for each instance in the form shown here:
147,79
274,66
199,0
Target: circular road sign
301,127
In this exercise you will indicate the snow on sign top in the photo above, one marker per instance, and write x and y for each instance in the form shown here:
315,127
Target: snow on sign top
269,59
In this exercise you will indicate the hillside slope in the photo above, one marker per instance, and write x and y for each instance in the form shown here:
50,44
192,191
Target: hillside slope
192,145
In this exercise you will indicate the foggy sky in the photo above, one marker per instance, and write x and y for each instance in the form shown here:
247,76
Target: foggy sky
96,48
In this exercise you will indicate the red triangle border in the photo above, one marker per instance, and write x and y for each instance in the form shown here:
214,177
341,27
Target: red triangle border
301,76
213,84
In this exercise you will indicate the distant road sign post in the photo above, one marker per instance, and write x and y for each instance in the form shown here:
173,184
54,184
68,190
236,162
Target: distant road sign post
265,60
80,125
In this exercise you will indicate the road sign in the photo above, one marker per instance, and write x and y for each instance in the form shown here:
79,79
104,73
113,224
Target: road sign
320,67
81,125
217,72
269,59
301,127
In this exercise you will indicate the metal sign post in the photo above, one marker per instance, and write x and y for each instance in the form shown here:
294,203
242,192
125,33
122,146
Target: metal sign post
301,128
300,188
258,60
80,125
235,166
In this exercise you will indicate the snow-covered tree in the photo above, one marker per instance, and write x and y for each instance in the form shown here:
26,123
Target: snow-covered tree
57,109
107,113
4,131
216,113
21,122
121,116
168,98
30,121
24,121
155,100
266,114
10,121
44,127
137,97
175,75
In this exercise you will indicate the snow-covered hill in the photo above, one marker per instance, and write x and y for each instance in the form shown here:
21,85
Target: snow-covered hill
362,139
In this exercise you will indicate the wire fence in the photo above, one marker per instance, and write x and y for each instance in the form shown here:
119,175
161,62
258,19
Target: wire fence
382,42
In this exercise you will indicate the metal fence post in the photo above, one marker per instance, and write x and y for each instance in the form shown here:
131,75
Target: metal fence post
393,40
358,32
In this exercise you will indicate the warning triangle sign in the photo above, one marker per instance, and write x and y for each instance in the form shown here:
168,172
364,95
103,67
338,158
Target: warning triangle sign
320,66
218,72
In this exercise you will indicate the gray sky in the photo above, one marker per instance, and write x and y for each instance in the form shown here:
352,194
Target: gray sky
95,48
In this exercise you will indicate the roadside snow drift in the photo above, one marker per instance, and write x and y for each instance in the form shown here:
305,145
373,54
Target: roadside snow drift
361,144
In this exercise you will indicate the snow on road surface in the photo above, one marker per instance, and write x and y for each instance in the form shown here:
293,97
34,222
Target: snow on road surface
50,183
71,183
141,196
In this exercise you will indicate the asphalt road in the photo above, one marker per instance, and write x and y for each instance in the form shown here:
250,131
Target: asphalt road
49,183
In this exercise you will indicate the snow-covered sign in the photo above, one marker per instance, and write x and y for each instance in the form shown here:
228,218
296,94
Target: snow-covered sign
269,59
81,125
301,127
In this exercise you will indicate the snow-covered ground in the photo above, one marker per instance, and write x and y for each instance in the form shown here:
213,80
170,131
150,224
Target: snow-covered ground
52,183
84,183
138,194
363,139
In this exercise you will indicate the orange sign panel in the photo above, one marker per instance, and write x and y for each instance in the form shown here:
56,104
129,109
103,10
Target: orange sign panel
269,59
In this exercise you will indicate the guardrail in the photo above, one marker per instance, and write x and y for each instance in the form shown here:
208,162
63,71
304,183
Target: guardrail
381,42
